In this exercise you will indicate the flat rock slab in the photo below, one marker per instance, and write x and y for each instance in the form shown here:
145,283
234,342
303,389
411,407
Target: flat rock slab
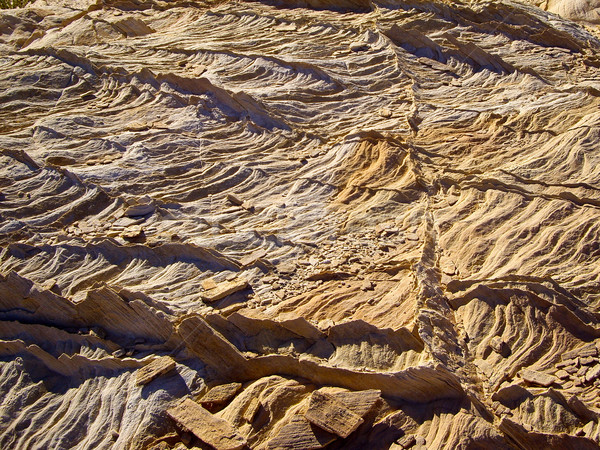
359,402
208,284
223,290
251,410
253,257
235,200
539,378
220,394
206,427
593,373
300,434
140,210
155,369
407,441
331,415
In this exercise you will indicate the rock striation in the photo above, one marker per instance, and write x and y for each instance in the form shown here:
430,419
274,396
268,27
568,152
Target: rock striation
362,224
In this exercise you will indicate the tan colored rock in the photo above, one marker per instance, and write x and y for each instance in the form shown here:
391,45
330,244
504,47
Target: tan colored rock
446,151
234,199
407,441
581,352
140,209
499,346
587,360
252,257
367,285
208,428
593,373
500,408
331,415
565,363
251,410
571,369
132,232
223,289
156,368
286,268
300,434
208,284
386,113
218,395
581,409
538,378
359,402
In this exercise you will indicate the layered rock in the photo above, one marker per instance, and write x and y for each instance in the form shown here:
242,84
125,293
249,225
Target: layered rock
363,224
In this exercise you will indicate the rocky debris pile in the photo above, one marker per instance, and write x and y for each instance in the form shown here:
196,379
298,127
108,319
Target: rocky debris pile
314,419
580,367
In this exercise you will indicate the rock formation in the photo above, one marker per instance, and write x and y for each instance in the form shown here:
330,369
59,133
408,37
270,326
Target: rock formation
299,224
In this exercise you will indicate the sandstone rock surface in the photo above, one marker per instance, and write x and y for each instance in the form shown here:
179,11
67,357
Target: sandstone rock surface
389,206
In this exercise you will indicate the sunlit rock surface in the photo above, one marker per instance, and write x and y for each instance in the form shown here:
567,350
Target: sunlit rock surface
395,205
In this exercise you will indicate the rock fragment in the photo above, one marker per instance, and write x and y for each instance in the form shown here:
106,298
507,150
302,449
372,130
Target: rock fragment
140,209
156,368
367,285
253,257
359,402
61,160
206,427
571,369
587,360
581,409
251,410
287,268
539,378
500,347
593,373
359,46
208,284
132,232
331,415
235,200
407,441
585,351
386,113
221,394
300,434
223,289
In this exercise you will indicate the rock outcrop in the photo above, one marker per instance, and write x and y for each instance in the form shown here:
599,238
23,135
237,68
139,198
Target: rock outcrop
300,224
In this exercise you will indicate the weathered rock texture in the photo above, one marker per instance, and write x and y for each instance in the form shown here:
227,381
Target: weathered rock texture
390,207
